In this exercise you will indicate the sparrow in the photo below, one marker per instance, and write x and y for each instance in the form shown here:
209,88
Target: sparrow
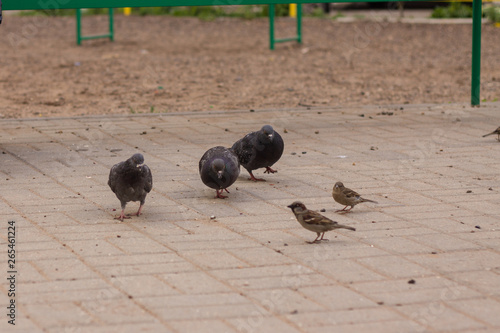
260,149
346,196
130,180
314,221
497,132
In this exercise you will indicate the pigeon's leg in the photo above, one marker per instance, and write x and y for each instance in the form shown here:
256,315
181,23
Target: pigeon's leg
219,194
323,239
252,177
227,190
140,210
122,216
269,170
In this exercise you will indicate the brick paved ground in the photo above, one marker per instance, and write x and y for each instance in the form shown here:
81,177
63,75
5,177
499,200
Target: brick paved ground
250,269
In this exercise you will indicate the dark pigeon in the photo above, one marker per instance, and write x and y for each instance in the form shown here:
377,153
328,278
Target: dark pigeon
219,168
131,180
259,149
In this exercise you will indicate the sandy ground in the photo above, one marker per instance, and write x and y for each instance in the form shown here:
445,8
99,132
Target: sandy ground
167,64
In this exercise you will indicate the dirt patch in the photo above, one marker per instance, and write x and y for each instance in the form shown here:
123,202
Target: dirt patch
168,64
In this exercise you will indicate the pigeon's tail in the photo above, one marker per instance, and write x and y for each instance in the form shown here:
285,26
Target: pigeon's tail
368,200
346,227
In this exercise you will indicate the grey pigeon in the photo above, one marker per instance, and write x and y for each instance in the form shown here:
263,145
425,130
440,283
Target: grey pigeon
219,168
131,180
497,132
260,149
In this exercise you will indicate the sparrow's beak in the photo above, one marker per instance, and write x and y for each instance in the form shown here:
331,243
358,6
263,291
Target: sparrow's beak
290,206
219,174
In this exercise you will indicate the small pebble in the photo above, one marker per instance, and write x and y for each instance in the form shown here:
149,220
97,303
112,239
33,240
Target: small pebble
477,227
469,191
411,281
323,210
212,217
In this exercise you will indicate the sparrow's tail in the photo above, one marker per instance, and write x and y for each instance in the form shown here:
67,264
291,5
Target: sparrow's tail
494,132
346,227
368,200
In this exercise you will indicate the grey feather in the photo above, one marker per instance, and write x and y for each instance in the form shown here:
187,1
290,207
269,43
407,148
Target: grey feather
131,180
219,168
260,149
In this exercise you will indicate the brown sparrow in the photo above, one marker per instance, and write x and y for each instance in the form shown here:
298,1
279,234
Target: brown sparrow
497,132
314,221
346,196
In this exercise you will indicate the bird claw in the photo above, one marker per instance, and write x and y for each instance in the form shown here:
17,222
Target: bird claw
252,177
269,170
219,194
121,217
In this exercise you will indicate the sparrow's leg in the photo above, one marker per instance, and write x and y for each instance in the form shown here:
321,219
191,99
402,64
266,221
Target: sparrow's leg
498,138
322,239
252,177
219,194
342,210
269,170
314,241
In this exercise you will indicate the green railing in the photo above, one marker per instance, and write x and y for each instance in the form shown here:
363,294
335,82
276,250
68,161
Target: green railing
78,4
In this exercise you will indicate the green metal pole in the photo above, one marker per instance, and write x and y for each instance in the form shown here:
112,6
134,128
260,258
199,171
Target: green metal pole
271,27
78,26
299,23
476,51
111,31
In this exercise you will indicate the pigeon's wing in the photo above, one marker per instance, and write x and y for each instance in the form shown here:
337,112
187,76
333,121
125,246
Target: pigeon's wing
113,177
243,148
148,178
280,145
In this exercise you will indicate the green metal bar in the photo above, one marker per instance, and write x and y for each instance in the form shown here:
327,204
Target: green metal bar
79,36
271,26
78,26
299,22
111,30
289,39
96,36
476,51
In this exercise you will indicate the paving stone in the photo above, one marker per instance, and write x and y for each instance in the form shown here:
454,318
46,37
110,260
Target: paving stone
249,269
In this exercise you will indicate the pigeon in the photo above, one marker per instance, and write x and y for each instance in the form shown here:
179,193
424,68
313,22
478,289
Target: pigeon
131,180
314,221
219,168
346,196
497,132
259,149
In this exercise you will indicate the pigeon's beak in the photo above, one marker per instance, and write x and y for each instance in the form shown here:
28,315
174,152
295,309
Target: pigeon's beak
219,174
